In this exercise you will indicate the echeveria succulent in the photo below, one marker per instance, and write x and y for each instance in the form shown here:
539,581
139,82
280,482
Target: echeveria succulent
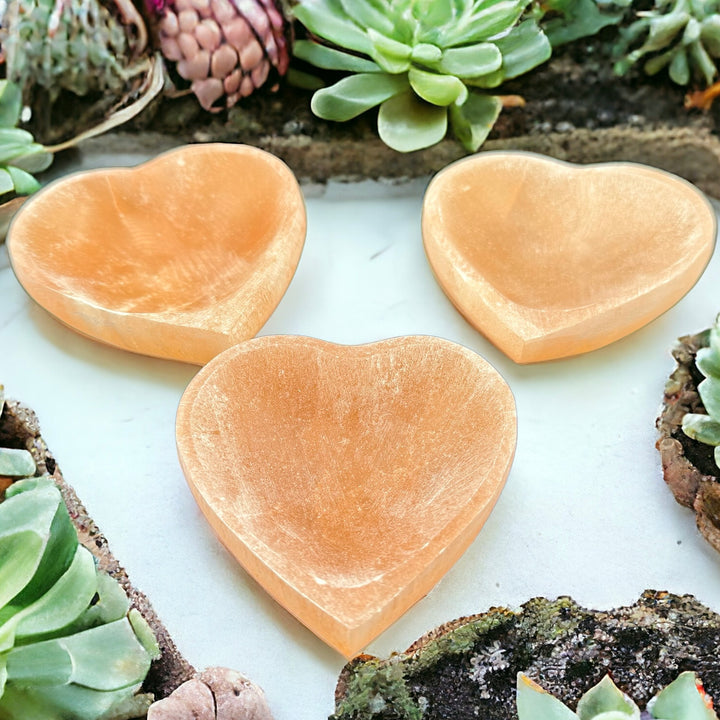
683,699
423,62
70,646
706,428
682,35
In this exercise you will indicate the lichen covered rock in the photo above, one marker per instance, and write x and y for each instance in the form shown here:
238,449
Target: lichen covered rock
468,668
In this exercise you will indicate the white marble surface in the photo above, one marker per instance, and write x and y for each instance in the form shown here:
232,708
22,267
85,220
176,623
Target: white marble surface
584,511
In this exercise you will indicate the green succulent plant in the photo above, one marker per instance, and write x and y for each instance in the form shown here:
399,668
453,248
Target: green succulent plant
70,646
20,155
565,21
682,699
700,427
682,35
425,63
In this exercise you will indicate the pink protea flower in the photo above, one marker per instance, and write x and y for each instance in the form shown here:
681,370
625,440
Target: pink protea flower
226,49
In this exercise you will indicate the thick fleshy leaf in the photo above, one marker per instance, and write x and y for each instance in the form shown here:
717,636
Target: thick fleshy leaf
406,123
43,663
474,119
701,428
10,103
6,182
657,62
682,699
66,600
35,159
437,89
367,15
355,94
663,30
323,19
679,69
710,34
24,182
112,604
16,463
709,390
523,49
483,25
581,18
708,362
425,53
391,55
702,62
144,634
329,58
470,61
534,703
92,652
604,699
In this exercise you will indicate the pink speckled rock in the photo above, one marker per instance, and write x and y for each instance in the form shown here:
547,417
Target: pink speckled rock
215,694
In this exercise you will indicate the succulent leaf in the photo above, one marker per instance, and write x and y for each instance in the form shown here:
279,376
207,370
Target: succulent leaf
474,119
434,48
682,699
575,19
701,428
355,94
406,124
606,701
70,647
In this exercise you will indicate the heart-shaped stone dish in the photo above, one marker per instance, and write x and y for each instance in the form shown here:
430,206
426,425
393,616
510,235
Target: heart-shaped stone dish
181,257
346,479
549,259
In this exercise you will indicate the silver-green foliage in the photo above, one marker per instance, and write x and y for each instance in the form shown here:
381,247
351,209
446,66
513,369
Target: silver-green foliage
70,646
700,427
20,155
683,699
682,35
425,63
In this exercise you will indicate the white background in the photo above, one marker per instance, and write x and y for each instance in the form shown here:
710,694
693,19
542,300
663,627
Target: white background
584,513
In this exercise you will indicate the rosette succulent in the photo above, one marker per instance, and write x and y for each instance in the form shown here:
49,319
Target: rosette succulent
700,427
683,699
680,35
225,49
425,63
70,646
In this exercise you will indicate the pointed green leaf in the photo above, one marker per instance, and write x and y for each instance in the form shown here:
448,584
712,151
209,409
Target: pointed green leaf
470,61
144,634
305,81
656,63
523,49
43,663
534,703
65,601
605,698
16,463
702,62
663,30
112,604
15,136
10,103
473,121
708,362
6,182
701,428
355,94
709,391
425,53
406,123
437,89
366,15
89,653
323,19
485,24
24,182
329,58
681,700
391,55
20,555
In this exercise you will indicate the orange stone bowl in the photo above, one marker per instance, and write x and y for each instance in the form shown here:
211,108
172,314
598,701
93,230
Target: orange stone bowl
549,259
346,479
181,257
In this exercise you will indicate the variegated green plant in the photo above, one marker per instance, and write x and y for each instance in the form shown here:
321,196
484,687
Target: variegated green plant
683,699
70,646
700,427
425,63
680,35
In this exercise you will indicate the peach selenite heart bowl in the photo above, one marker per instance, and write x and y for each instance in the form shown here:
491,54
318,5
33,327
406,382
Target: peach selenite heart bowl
549,259
346,479
181,257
